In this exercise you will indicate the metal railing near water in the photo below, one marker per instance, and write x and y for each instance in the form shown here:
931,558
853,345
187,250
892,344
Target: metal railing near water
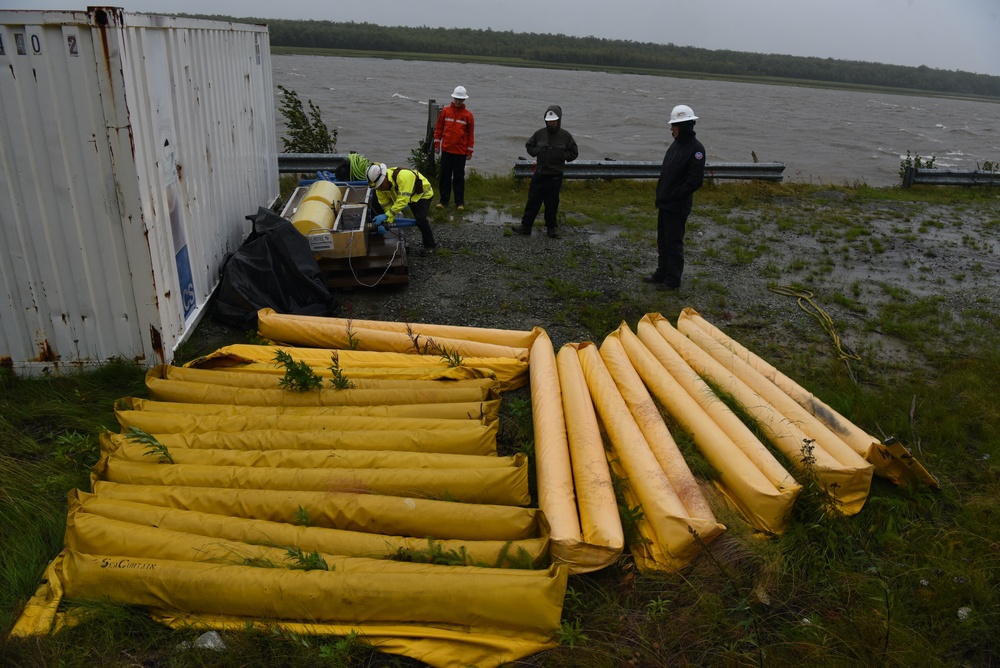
300,163
622,169
949,177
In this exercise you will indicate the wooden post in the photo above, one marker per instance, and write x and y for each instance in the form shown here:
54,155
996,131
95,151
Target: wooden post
433,111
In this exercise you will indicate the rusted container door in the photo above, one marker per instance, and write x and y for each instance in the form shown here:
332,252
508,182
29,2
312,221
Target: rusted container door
131,150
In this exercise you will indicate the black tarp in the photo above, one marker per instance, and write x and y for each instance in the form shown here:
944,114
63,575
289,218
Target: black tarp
273,268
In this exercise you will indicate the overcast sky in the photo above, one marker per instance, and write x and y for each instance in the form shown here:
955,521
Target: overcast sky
946,34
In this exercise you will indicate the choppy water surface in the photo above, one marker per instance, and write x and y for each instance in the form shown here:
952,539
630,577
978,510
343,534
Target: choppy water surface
380,108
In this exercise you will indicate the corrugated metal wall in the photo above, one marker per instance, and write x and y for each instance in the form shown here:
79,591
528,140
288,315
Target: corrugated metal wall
131,150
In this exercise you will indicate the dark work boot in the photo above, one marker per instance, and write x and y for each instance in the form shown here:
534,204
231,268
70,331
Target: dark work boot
521,229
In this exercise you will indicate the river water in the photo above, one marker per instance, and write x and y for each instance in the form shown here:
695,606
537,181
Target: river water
380,108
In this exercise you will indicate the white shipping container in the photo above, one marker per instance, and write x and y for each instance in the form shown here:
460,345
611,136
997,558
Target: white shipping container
132,148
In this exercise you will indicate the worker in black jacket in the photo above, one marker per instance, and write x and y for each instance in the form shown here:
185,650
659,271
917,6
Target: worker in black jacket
682,173
552,147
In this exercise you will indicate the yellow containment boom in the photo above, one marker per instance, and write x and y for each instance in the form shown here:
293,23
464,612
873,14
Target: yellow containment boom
435,340
749,476
492,553
599,517
511,372
501,337
454,441
844,474
673,533
224,583
129,450
891,460
271,378
163,389
470,478
196,423
647,417
553,470
504,485
473,410
575,494
350,511
362,590
232,500
522,615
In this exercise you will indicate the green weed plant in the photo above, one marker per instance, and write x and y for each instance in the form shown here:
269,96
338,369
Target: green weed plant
338,381
153,446
425,345
299,376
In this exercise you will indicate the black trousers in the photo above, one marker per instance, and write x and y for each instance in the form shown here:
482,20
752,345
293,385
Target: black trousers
543,190
452,173
420,208
670,247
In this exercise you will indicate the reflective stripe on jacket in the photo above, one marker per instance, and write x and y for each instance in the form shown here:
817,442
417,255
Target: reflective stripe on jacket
455,131
403,189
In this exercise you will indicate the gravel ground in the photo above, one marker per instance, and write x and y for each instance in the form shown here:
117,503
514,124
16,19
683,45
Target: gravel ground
582,285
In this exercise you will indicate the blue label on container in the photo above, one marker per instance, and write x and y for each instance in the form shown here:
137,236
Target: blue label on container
185,280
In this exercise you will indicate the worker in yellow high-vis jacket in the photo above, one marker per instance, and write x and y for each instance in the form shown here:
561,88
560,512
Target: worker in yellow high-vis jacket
397,188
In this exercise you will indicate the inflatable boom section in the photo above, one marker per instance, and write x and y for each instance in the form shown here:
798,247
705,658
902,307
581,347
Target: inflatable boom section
891,460
675,521
574,482
230,502
809,448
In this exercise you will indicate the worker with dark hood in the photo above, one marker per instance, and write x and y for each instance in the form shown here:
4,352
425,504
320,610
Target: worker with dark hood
682,173
551,147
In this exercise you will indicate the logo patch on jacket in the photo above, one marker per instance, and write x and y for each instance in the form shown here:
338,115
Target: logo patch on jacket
699,156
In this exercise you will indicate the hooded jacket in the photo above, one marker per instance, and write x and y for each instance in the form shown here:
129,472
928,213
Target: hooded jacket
682,172
552,150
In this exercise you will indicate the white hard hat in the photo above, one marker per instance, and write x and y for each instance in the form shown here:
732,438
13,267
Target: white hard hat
551,116
682,114
460,93
376,174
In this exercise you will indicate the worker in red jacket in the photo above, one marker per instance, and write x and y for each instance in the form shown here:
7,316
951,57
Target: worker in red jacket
453,140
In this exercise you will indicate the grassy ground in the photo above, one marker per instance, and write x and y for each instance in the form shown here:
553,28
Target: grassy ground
908,278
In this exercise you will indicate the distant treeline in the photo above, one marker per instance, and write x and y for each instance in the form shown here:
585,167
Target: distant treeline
597,53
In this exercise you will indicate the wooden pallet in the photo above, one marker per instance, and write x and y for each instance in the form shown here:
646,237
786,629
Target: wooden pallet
384,264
